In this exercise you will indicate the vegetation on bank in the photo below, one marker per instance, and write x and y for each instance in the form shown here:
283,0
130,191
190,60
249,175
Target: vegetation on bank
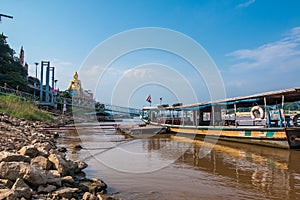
17,107
12,73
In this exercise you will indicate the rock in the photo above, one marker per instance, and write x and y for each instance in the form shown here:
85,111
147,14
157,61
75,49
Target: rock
43,162
6,194
13,170
89,196
5,183
56,135
56,152
10,157
60,164
62,149
30,151
68,179
46,189
54,178
78,165
35,176
43,147
7,121
66,192
21,189
93,186
78,146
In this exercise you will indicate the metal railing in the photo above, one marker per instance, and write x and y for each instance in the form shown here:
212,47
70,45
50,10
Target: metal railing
76,102
25,95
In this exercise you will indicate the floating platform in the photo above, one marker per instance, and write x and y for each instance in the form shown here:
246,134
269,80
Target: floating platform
142,130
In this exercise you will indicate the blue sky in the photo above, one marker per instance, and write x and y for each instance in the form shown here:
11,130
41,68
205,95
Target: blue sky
254,43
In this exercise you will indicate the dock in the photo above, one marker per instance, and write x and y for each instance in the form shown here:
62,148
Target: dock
142,130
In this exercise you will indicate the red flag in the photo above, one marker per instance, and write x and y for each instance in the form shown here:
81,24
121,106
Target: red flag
149,99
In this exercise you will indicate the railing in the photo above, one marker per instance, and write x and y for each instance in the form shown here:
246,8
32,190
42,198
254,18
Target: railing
27,96
76,102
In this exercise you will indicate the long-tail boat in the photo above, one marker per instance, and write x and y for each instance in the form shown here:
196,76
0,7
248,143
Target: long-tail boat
264,119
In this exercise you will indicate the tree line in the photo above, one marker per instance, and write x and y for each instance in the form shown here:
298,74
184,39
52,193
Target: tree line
12,74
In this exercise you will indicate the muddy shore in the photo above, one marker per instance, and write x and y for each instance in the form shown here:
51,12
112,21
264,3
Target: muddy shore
33,167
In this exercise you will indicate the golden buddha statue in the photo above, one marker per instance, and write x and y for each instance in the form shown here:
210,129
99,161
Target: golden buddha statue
75,84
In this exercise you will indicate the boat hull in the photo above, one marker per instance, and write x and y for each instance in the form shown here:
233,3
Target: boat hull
288,138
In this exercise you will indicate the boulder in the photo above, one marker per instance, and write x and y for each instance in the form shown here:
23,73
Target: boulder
35,176
5,183
77,166
21,189
60,164
62,149
93,185
89,196
10,157
46,189
43,162
43,147
66,192
6,194
13,170
68,179
30,151
56,152
54,178
55,135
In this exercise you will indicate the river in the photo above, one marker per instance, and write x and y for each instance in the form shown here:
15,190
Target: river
174,167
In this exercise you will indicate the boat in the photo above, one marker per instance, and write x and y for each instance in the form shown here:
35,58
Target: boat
262,119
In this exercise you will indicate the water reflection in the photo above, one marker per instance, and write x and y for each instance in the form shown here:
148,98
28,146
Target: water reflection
273,172
228,171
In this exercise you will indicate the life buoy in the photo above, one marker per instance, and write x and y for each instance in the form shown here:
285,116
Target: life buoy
296,120
257,109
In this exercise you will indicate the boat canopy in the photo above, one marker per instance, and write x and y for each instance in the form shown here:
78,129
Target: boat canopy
268,98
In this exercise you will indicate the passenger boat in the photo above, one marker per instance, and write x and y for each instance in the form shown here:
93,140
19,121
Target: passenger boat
263,119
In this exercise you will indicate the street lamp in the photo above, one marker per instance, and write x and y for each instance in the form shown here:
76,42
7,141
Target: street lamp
36,65
55,81
7,16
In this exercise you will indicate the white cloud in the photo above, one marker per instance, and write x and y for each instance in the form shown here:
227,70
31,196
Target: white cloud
245,4
137,73
271,66
60,63
64,71
272,55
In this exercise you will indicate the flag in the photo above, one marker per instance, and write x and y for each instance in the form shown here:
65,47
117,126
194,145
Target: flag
149,99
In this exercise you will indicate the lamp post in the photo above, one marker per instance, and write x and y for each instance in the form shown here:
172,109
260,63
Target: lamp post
7,16
55,81
55,91
36,65
35,81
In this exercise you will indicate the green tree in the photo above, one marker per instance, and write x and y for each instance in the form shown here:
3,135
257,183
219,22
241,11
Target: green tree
11,71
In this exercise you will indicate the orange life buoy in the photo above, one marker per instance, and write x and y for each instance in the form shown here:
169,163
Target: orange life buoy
257,109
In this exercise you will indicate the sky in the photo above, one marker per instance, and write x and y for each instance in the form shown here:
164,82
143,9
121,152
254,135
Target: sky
253,44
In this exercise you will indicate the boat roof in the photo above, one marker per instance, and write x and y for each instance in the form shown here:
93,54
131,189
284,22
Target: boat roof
272,98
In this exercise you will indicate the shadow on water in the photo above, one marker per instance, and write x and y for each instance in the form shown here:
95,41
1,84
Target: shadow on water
228,171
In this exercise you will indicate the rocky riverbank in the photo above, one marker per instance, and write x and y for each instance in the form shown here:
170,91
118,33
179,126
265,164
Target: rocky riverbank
33,167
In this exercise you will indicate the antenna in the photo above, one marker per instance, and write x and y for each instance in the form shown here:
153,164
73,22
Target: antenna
7,16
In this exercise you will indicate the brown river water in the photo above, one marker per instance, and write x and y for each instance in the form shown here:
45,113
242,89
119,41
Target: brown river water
174,167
